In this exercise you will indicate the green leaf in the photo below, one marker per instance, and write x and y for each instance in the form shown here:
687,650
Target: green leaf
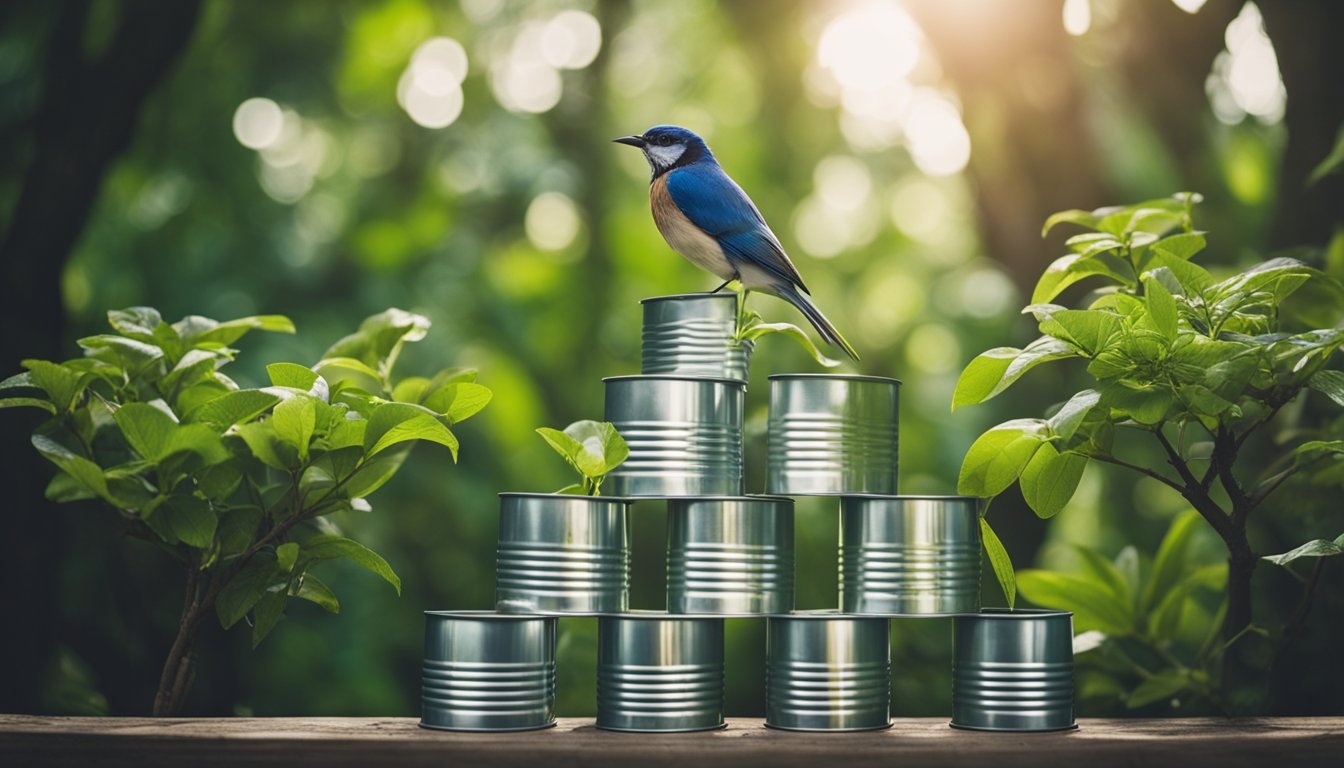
190,519
1279,277
328,547
1067,270
246,587
64,487
994,371
231,408
1094,606
295,376
269,610
1050,479
458,401
1104,573
314,591
1180,246
236,529
1145,404
137,322
27,402
1332,163
1161,306
18,381
1073,413
997,458
376,471
342,369
294,421
62,385
1074,216
393,423
594,448
286,555
155,434
267,446
1170,562
87,473
379,340
999,561
1088,330
1329,383
1163,685
1313,548
206,331
1193,278
797,334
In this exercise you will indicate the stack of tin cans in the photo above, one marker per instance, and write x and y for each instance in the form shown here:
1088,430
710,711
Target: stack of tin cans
730,554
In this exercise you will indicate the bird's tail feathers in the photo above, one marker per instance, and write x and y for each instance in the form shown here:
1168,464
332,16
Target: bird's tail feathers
814,316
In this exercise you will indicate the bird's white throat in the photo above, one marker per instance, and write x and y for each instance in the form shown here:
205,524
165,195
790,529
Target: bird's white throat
660,157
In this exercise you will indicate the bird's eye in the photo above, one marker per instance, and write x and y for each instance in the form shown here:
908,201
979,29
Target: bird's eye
664,141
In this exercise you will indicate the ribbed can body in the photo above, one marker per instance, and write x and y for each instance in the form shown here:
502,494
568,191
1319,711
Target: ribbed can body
487,672
730,555
831,434
659,673
909,555
826,672
1013,671
685,435
562,554
693,335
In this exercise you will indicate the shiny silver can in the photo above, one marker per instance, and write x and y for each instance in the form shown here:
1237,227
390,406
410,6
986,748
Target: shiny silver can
909,555
827,672
730,555
685,435
562,554
657,672
832,434
694,334
1013,671
486,671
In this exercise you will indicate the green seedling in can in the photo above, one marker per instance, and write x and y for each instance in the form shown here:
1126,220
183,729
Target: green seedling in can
751,326
594,448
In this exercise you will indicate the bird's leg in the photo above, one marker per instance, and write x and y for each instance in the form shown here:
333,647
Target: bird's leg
721,287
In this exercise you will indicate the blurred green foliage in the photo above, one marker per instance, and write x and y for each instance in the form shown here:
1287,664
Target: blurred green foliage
525,237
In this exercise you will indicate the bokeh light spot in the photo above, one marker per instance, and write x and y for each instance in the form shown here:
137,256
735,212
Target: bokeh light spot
552,221
571,40
257,123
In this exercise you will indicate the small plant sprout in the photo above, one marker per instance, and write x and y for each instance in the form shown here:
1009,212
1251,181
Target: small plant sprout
751,326
594,448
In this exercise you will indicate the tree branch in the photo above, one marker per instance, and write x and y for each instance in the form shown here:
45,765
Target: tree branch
1158,476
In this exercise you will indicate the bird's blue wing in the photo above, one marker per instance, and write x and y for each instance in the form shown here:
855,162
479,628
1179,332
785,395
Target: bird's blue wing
716,204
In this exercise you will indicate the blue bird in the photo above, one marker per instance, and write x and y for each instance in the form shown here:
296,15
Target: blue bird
707,218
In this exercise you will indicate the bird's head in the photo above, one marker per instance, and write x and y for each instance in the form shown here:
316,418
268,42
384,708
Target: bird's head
667,146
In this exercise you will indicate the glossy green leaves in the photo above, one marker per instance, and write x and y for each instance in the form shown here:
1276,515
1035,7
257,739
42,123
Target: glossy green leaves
593,448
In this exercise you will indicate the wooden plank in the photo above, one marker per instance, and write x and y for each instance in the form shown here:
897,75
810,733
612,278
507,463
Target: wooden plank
333,742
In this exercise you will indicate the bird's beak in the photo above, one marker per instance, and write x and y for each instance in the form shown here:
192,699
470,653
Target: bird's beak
634,141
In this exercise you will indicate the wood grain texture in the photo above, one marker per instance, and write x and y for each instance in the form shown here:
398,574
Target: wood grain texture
329,742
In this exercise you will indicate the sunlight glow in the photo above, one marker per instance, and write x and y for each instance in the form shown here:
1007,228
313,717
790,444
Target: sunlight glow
552,221
1189,6
1077,17
870,48
935,135
525,75
1245,78
430,90
571,40
257,123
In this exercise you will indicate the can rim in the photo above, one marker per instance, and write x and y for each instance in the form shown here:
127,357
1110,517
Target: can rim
835,377
1001,614
908,497
567,496
824,613
688,297
483,615
658,615
740,384
727,497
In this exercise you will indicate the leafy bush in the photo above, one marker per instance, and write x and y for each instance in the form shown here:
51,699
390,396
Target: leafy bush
592,448
1196,364
237,484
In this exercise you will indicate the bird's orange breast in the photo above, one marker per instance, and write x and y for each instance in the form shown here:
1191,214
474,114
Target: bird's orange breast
683,235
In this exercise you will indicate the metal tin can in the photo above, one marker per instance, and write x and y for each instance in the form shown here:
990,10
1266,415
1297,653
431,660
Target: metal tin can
827,672
1013,671
909,554
692,334
730,555
657,672
832,434
562,554
487,672
685,435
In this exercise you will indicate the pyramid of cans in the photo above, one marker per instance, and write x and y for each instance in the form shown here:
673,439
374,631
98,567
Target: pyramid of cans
732,555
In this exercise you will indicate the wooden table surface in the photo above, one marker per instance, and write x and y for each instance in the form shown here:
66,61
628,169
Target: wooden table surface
331,741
